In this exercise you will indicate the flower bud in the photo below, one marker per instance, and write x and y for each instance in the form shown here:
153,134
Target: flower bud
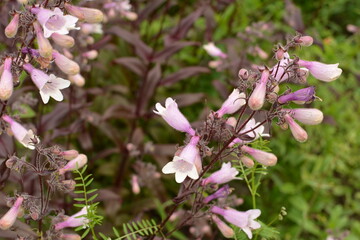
309,116
265,158
77,79
12,28
305,41
226,231
66,65
75,220
62,40
23,1
214,64
74,164
243,74
257,98
280,52
6,81
90,40
214,51
45,48
90,15
231,121
69,185
248,162
220,193
300,96
90,54
69,154
70,236
297,131
130,15
9,218
135,184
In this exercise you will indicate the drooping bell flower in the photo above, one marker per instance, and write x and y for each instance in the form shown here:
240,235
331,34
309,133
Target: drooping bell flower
322,71
308,116
265,158
77,79
12,28
224,175
75,220
49,86
90,15
74,164
244,220
24,136
6,80
172,115
220,193
300,96
214,51
184,165
44,45
297,131
9,218
66,65
65,41
54,21
257,98
226,231
232,104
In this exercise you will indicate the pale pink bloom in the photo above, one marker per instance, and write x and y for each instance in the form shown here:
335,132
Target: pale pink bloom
45,48
89,28
257,98
123,7
74,164
254,133
12,28
92,54
65,41
8,220
69,154
231,121
224,175
244,220
215,64
77,79
279,70
309,116
135,184
172,115
265,158
214,51
6,80
54,21
297,131
90,15
184,165
248,162
24,136
322,71
226,231
70,236
232,104
75,220
66,65
305,41
261,53
49,86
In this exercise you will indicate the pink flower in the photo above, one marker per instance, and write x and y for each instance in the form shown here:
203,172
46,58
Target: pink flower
66,65
265,158
232,104
257,98
90,15
300,96
24,136
297,131
309,116
49,86
172,115
65,41
12,28
76,220
214,51
9,218
54,21
74,164
224,175
89,28
244,220
220,193
123,7
135,184
77,79
253,132
44,45
184,165
305,41
322,71
6,80
70,236
226,231
69,154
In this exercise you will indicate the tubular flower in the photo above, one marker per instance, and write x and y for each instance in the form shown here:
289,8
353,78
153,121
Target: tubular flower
244,220
45,47
265,158
297,131
184,165
65,41
6,81
322,71
123,7
74,164
75,220
24,136
66,65
69,154
226,231
90,15
305,41
172,115
308,116
49,86
54,21
70,236
220,193
12,28
300,96
89,28
9,218
233,103
224,175
214,51
251,131
278,71
257,98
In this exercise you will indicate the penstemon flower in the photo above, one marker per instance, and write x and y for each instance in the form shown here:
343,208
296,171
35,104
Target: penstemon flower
12,28
232,104
214,51
90,15
75,220
265,158
322,71
6,80
252,130
297,131
123,7
257,98
66,65
308,116
224,175
45,48
220,193
65,41
226,231
76,163
300,96
8,220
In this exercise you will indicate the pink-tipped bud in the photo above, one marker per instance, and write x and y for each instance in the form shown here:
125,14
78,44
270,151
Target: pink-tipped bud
77,79
69,154
69,185
89,15
265,158
12,28
280,52
90,40
231,121
305,41
45,48
74,164
297,131
243,74
309,116
226,231
65,41
257,98
9,218
135,184
6,81
69,236
248,162
23,1
66,65
92,54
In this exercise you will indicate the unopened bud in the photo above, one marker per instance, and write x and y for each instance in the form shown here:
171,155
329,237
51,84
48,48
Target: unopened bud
65,41
297,131
284,126
280,52
135,184
248,162
11,162
231,121
69,154
226,231
90,15
90,54
69,236
272,97
74,164
12,28
6,81
69,185
66,65
243,74
309,116
257,98
306,41
77,79
45,48
8,220
265,158
90,40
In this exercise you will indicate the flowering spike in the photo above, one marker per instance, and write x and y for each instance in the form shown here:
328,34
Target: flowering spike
257,98
214,51
297,131
322,71
66,65
89,15
65,41
44,45
226,231
74,164
172,115
220,193
74,220
309,116
24,136
12,28
6,81
224,175
232,104
9,218
300,96
265,158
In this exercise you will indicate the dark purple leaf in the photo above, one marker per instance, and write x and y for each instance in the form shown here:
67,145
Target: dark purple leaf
6,145
169,50
221,88
182,74
293,16
152,80
149,9
188,99
133,64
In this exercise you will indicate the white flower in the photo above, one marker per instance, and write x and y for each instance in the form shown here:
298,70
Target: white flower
322,71
256,132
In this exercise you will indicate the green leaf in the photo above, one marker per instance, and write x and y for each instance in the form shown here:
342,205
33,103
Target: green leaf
116,232
93,197
85,233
